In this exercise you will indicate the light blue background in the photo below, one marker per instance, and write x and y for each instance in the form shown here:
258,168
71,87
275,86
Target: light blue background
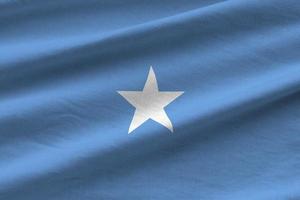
63,126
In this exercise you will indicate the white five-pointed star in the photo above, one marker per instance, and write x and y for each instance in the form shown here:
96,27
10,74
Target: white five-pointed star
150,103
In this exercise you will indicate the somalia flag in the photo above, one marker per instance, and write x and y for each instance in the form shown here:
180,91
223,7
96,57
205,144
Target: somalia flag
149,100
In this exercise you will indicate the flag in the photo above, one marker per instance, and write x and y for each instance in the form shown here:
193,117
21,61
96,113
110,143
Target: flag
162,99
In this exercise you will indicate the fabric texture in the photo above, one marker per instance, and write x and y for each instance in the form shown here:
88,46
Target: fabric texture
64,127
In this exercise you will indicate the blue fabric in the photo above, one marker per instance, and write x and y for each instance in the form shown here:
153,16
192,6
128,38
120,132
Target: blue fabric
63,126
